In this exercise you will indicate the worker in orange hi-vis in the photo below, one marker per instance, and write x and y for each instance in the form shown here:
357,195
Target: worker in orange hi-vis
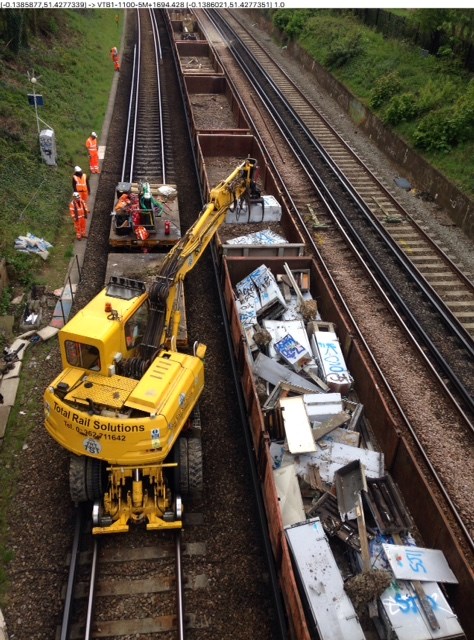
92,146
80,183
79,211
115,57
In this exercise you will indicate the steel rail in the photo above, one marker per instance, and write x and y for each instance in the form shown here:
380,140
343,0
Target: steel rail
159,58
179,587
394,311
243,417
357,159
92,590
136,98
126,171
271,103
72,574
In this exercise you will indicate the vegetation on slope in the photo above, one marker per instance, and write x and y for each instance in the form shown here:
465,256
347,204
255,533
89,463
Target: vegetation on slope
427,99
68,52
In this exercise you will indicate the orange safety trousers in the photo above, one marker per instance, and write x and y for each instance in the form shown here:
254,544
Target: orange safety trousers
78,211
93,150
116,64
81,187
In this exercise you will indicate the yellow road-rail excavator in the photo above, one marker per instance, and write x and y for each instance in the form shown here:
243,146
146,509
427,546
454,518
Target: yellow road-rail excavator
126,396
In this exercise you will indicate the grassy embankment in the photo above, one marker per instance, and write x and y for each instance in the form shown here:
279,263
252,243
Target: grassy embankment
427,100
75,76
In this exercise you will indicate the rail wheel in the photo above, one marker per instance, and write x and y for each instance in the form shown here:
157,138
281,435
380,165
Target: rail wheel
86,479
190,465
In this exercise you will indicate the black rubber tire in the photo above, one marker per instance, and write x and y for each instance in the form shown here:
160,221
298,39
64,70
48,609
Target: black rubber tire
86,479
190,460
182,475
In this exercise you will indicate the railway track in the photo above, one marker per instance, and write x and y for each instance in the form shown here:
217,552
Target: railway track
119,587
148,152
348,249
451,284
424,310
135,585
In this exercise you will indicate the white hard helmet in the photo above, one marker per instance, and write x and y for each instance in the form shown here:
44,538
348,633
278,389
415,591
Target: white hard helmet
77,169
76,194
93,134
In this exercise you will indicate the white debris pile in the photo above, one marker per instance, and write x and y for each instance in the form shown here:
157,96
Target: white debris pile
330,481
265,237
32,244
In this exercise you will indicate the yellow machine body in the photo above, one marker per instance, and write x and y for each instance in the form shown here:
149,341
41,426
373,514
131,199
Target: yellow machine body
125,426
120,420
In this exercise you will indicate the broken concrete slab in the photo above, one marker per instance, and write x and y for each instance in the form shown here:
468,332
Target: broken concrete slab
27,334
14,372
8,389
47,332
4,415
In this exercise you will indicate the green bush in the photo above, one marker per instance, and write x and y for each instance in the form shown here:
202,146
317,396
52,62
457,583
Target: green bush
435,93
443,129
20,268
438,131
385,87
401,108
292,22
341,51
5,299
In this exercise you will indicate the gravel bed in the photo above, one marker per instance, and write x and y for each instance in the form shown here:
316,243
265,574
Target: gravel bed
414,386
237,603
237,600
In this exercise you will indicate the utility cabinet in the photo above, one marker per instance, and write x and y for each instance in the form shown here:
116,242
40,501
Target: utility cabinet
48,146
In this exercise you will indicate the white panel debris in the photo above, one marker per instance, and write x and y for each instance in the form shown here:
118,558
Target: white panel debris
297,427
292,352
417,563
401,612
322,406
265,237
401,606
259,296
266,210
274,372
289,495
335,372
337,455
333,614
278,329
